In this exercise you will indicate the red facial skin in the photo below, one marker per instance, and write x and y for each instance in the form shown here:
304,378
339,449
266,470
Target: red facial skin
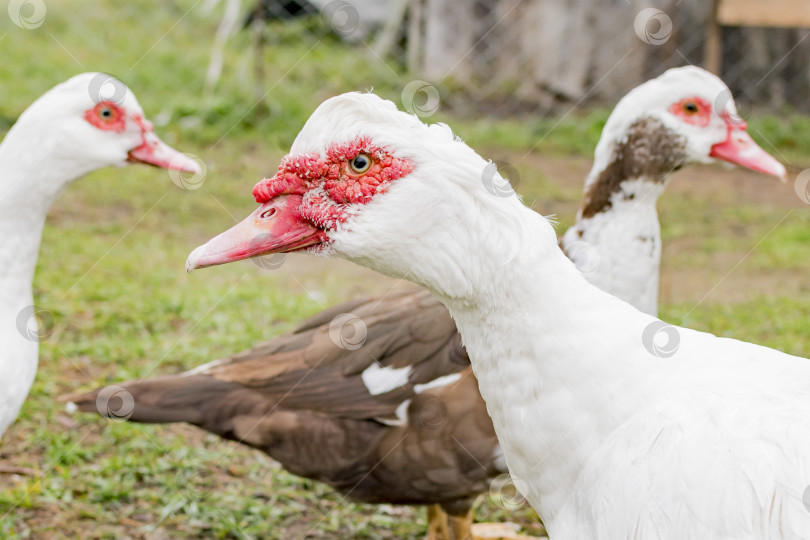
299,174
695,111
308,195
145,125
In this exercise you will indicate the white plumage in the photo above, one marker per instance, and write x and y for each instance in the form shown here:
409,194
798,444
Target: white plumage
606,437
52,144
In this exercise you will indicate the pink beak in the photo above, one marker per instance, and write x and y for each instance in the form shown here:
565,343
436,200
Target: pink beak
275,227
741,149
155,152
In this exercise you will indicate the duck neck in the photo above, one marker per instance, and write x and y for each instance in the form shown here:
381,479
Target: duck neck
616,240
542,340
29,183
21,231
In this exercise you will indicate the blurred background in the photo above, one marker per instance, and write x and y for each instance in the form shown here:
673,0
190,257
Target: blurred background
527,83
224,66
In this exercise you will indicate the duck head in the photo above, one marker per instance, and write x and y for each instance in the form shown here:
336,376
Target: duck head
90,121
686,115
366,182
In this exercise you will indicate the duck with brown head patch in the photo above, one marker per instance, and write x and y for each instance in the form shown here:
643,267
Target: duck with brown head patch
684,116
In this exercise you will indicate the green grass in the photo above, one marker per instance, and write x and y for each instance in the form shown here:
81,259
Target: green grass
778,322
111,271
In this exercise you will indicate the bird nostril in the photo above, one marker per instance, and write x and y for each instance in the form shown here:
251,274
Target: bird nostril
267,214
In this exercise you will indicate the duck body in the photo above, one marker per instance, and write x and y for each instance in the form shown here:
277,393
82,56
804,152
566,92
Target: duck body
400,446
608,440
730,481
372,462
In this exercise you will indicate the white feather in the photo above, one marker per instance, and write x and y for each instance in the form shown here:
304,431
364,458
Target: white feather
437,383
379,379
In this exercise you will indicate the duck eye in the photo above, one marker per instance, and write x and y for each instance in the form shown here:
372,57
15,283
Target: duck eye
106,112
690,107
361,163
107,116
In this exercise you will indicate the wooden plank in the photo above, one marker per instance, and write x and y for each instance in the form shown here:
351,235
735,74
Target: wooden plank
773,13
713,55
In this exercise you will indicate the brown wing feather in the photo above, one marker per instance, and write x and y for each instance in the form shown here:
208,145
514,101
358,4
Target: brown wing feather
307,370
301,399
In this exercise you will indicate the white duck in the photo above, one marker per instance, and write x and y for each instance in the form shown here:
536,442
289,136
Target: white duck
605,433
657,128
68,132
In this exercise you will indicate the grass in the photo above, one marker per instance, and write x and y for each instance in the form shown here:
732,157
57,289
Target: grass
111,270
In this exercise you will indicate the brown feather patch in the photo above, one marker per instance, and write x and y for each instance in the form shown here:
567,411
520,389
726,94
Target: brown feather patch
650,151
